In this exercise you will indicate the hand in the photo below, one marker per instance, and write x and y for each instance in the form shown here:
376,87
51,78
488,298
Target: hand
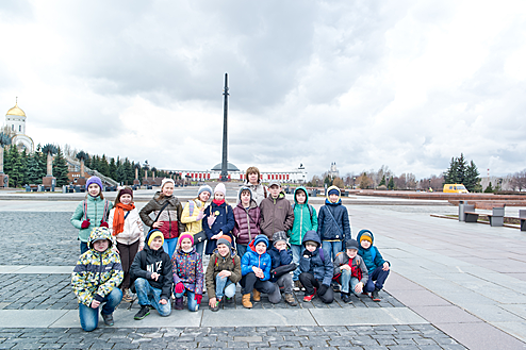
323,289
179,287
345,267
104,224
163,301
225,273
198,298
307,254
157,224
212,302
95,304
85,224
386,266
359,288
200,215
217,236
155,276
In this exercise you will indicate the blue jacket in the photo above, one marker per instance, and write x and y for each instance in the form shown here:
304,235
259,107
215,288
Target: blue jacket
251,258
335,226
371,256
224,222
279,258
318,265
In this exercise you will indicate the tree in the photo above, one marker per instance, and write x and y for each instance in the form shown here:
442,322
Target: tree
60,169
128,170
391,184
489,189
112,169
338,182
518,180
49,150
472,179
82,156
382,182
14,167
32,170
364,181
5,140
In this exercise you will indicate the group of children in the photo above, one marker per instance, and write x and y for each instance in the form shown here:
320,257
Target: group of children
264,243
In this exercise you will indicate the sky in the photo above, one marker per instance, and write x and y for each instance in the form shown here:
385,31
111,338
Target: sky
405,84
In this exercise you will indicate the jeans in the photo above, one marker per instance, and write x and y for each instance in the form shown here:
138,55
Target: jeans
285,281
83,247
149,295
348,282
192,303
379,276
309,282
241,250
169,246
89,317
224,287
330,249
296,255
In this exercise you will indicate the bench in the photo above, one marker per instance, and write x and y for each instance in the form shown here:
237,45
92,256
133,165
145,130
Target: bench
467,213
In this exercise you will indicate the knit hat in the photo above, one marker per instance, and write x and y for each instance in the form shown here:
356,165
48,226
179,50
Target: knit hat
166,180
274,182
154,234
279,236
94,180
313,242
220,188
261,239
334,191
367,236
204,188
125,190
245,188
352,244
226,240
186,235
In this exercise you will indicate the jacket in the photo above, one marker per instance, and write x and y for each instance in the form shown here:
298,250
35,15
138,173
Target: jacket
224,221
148,261
95,213
133,228
218,263
246,222
97,273
334,225
170,216
317,265
189,218
279,258
358,268
188,269
303,220
252,258
371,256
259,192
276,215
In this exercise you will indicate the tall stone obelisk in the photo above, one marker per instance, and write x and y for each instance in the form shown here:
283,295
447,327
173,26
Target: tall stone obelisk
224,163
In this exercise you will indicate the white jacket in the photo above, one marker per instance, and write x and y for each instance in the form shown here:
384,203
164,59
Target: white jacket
133,229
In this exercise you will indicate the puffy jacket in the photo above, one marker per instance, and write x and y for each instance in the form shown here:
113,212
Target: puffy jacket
358,268
95,213
303,220
97,273
193,225
252,258
371,256
170,217
148,261
133,228
279,258
247,222
276,215
335,226
318,265
188,269
218,263
224,222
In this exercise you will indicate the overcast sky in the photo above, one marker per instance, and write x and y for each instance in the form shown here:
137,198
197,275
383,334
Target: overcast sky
407,84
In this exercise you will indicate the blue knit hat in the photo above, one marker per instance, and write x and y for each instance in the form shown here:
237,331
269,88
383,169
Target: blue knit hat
261,239
94,180
334,191
205,188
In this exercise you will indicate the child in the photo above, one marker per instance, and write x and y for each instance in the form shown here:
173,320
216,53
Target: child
193,214
91,212
333,224
187,273
350,271
218,219
305,219
281,256
95,280
376,265
255,268
246,215
276,211
253,181
151,273
167,209
126,227
316,270
222,274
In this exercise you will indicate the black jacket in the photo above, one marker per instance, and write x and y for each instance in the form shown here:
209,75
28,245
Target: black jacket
148,261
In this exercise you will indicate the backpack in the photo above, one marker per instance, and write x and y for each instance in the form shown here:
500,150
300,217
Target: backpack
311,209
191,206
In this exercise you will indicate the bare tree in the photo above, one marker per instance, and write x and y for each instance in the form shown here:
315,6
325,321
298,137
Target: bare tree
518,180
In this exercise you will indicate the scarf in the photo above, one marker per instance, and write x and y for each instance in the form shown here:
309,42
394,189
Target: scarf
218,202
118,217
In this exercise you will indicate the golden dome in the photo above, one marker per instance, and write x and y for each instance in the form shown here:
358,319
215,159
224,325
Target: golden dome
16,111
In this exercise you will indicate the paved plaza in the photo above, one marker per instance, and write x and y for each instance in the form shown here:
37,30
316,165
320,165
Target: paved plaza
453,286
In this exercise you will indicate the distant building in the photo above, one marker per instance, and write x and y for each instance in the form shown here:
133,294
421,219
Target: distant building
333,171
15,121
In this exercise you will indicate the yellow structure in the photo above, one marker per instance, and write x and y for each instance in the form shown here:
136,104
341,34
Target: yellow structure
454,188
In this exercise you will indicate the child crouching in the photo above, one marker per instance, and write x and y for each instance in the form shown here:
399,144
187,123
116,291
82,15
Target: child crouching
350,271
282,259
187,273
376,265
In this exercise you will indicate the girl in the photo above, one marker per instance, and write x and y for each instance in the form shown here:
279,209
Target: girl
126,227
188,273
193,214
218,219
167,209
91,212
247,216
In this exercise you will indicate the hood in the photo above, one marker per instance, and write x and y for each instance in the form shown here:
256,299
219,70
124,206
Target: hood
327,200
360,235
258,239
100,233
306,193
311,236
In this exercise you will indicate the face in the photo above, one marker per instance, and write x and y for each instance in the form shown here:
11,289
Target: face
261,248
301,197
223,249
245,197
365,244
274,191
93,190
186,244
168,189
126,199
280,245
156,243
219,196
333,198
204,196
101,245
311,247
351,253
253,178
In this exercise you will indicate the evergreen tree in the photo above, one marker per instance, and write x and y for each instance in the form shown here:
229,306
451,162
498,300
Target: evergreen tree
32,170
15,167
112,168
7,161
382,182
451,175
489,189
87,161
23,170
95,163
472,178
41,158
391,184
60,169
461,169
129,172
104,166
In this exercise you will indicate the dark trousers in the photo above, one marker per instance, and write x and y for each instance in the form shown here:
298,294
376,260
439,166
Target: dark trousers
127,253
379,276
309,282
250,281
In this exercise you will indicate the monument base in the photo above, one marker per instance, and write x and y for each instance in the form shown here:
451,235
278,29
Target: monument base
49,183
81,181
4,180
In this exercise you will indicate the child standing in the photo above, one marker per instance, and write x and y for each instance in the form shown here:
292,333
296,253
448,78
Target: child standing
218,219
194,212
350,271
222,274
281,256
376,265
91,212
95,279
167,209
305,219
246,215
151,273
276,211
316,270
253,181
126,227
187,273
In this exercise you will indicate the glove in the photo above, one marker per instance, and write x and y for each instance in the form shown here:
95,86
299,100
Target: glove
323,289
307,254
85,224
179,287
211,220
198,298
200,215
104,224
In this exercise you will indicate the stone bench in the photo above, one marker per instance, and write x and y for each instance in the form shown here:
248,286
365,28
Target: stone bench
467,213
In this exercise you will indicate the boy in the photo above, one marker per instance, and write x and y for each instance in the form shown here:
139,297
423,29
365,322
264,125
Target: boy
247,216
255,268
151,273
333,224
276,211
253,181
281,257
376,265
305,219
222,274
95,280
350,271
316,270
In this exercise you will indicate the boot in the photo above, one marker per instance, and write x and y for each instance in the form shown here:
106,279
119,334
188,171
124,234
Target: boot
246,301
256,295
289,299
375,295
179,303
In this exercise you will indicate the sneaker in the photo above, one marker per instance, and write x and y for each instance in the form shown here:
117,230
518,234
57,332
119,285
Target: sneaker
178,305
309,297
297,286
108,319
336,287
143,312
229,300
346,298
126,297
375,295
289,299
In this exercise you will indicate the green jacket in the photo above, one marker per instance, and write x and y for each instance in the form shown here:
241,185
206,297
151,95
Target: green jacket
95,213
303,221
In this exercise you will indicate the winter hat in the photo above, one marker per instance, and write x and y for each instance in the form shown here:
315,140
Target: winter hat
166,180
310,241
352,244
334,191
226,240
279,236
204,188
274,182
154,234
245,188
125,190
94,180
220,188
186,235
366,236
261,239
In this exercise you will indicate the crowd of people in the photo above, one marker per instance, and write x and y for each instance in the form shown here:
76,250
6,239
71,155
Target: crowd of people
265,243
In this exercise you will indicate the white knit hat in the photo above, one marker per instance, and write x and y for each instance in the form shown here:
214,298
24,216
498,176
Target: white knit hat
165,180
220,188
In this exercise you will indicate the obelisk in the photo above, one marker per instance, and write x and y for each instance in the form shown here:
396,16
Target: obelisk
224,163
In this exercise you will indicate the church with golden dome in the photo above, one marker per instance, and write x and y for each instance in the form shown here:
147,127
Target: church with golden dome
15,122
